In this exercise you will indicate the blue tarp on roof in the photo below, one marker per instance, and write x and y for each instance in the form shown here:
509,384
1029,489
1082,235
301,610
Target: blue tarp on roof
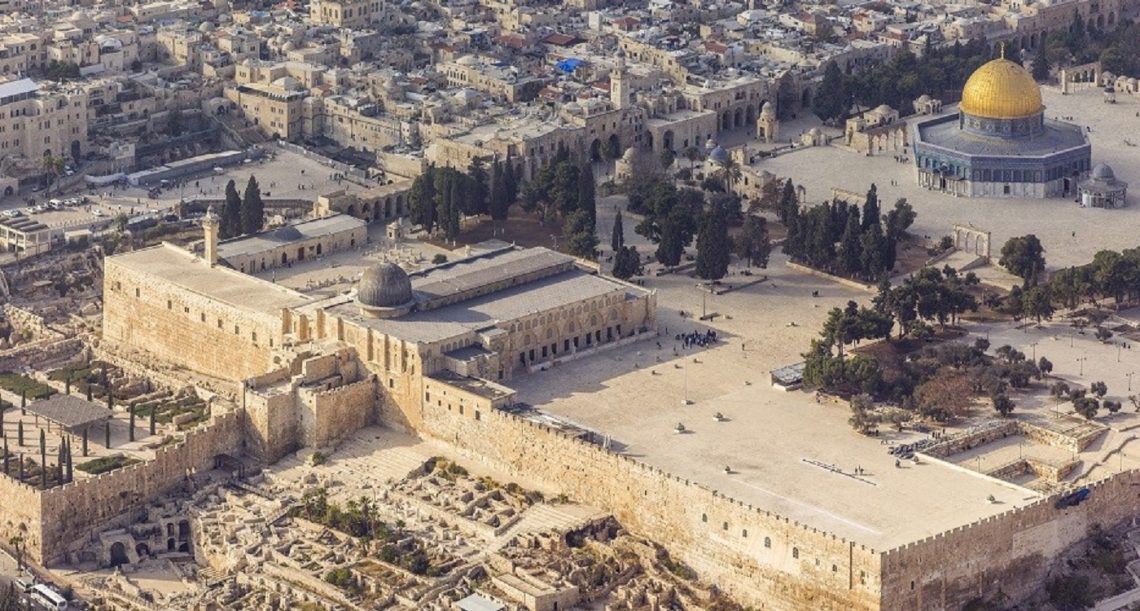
569,64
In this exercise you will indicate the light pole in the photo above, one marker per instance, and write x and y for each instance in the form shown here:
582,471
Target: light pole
1082,360
1130,374
1034,346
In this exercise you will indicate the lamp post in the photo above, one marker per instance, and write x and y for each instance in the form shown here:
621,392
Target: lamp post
1130,374
1082,360
1034,346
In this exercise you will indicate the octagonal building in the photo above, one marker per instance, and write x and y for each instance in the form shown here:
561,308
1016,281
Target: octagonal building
999,144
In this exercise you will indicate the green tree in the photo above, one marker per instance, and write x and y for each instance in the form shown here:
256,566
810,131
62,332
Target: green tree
478,192
850,249
789,204
252,208
830,102
1003,404
871,208
421,199
229,225
627,263
617,236
587,192
693,154
667,157
671,242
578,233
754,245
1037,304
713,247
1024,257
1041,65
453,205
175,123
498,203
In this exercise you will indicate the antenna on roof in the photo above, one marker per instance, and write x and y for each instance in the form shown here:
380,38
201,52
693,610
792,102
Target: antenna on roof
1002,46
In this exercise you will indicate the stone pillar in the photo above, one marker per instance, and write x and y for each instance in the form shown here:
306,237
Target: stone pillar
210,229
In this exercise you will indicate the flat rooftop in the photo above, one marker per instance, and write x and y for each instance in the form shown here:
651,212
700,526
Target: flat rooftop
1058,137
496,266
288,234
185,270
489,310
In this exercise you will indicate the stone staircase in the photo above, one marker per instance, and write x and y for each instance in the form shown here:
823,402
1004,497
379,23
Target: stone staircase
543,517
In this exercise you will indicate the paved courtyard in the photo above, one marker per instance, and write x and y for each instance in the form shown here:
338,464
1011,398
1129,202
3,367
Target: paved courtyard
1071,234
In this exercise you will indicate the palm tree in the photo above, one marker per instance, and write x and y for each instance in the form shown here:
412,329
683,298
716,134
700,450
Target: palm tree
16,542
53,166
730,173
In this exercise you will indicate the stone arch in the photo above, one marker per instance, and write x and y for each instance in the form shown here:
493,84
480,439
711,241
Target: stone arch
142,550
366,211
400,204
351,210
75,150
318,248
615,144
1111,18
119,554
596,150
805,99
8,191
388,208
751,114
1100,22
184,530
725,120
667,139
738,118
170,529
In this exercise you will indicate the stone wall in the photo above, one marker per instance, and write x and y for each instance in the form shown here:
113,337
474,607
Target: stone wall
340,411
75,510
180,326
761,558
1009,552
20,516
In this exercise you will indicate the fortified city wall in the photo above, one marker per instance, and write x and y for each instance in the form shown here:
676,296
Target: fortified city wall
759,557
1009,552
180,326
53,521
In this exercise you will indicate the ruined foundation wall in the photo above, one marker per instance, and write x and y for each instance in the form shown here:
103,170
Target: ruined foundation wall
70,512
761,558
1010,552
341,411
20,515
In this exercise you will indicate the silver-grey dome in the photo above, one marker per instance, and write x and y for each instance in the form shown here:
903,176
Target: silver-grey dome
286,233
384,285
1103,171
719,155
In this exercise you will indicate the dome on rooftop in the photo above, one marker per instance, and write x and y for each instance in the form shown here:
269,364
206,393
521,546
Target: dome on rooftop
1103,171
286,233
719,155
384,285
1001,89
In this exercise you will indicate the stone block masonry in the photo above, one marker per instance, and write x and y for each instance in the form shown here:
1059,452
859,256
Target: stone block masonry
52,521
761,558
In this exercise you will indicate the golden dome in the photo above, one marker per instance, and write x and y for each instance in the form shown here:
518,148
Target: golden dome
1001,89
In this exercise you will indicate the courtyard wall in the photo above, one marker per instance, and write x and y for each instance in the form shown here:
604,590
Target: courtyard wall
763,559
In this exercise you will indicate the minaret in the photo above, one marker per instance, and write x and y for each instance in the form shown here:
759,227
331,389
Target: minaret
210,229
619,83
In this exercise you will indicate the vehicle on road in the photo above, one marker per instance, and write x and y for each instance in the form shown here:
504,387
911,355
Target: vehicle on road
43,594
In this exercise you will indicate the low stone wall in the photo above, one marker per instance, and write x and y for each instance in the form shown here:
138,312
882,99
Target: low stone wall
986,433
847,282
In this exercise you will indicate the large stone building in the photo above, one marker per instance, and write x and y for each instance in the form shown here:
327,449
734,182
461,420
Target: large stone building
999,144
479,320
36,122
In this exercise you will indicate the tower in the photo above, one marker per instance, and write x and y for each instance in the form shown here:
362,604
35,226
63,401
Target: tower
210,229
767,125
619,83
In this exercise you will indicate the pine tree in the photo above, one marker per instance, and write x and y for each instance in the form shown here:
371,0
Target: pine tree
617,238
229,224
754,245
107,434
477,192
512,178
873,245
578,233
421,199
252,208
587,192
871,208
131,430
713,246
84,442
850,248
627,263
153,408
1041,66
20,432
831,96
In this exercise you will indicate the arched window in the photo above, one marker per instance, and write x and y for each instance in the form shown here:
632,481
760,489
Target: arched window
795,552
768,542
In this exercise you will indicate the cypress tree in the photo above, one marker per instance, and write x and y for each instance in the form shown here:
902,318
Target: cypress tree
512,177
23,402
617,238
67,385
107,434
831,98
252,208
713,246
20,458
131,430
671,245
873,247
871,207
70,463
5,456
84,442
229,224
498,197
153,408
20,432
454,201
43,460
850,249
61,458
89,392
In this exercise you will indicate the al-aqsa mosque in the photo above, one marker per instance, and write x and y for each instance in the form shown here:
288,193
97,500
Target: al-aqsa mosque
1000,144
